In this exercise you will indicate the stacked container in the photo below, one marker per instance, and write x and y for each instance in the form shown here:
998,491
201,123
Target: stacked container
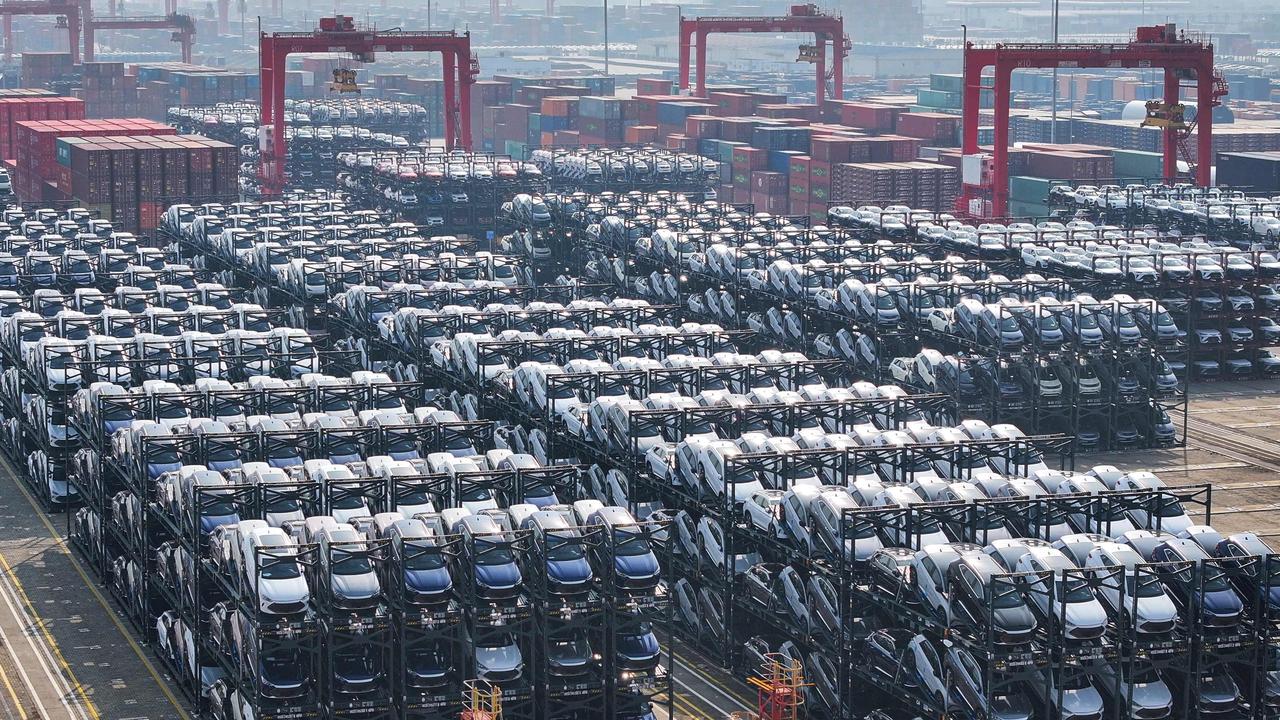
17,109
131,178
35,152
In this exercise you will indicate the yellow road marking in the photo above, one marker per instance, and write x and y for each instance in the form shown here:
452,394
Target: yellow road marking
710,679
12,693
61,544
48,637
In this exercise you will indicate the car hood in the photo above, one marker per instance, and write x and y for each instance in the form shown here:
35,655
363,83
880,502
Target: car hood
644,565
637,647
1085,701
1014,619
499,659
1088,614
208,523
498,576
355,587
284,590
1156,609
1152,695
1222,602
428,581
569,571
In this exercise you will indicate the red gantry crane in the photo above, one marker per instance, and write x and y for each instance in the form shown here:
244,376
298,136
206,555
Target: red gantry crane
803,19
339,34
1158,46
183,27
67,11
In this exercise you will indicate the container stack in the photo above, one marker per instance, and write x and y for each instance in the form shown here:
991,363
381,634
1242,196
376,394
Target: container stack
42,68
130,178
924,185
34,148
15,109
600,120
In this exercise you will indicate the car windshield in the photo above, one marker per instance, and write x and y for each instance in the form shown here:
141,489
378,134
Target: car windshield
661,385
217,508
278,568
563,547
1088,321
492,552
1125,320
1005,597
629,543
1008,323
1048,322
1164,319
884,301
1148,587
422,556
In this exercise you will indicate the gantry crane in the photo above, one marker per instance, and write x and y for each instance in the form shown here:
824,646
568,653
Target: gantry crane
183,27
68,9
339,34
803,19
113,7
1158,46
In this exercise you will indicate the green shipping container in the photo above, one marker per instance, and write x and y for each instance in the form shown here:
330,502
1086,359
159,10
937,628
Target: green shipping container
726,150
939,98
1027,189
514,148
1027,209
954,82
1138,164
946,82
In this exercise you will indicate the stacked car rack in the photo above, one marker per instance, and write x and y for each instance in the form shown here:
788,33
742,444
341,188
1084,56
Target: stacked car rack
615,621
418,440
850,294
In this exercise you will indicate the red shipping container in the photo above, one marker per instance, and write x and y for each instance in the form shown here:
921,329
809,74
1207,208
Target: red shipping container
675,141
870,116
741,195
935,127
764,202
798,169
703,127
831,150
768,182
751,158
654,86
819,174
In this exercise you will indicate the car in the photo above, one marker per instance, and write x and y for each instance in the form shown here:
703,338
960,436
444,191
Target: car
987,603
892,574
1220,606
1133,596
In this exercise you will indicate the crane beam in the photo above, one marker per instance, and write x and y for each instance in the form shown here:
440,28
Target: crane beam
183,27
803,19
1151,47
339,34
69,9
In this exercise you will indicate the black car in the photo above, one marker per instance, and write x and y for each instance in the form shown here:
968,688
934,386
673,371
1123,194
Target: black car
760,582
883,654
983,603
892,575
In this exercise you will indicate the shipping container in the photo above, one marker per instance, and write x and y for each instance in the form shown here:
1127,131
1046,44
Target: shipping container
1258,171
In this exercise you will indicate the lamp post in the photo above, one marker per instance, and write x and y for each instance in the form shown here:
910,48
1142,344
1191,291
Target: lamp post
606,37
1053,120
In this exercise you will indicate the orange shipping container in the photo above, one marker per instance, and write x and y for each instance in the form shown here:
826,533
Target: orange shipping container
640,134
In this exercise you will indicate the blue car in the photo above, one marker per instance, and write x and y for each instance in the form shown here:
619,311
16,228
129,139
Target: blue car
1220,606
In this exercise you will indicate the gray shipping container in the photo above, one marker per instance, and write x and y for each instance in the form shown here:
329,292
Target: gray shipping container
1256,171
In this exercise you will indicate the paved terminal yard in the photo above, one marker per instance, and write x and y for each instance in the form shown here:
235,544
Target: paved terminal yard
65,655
